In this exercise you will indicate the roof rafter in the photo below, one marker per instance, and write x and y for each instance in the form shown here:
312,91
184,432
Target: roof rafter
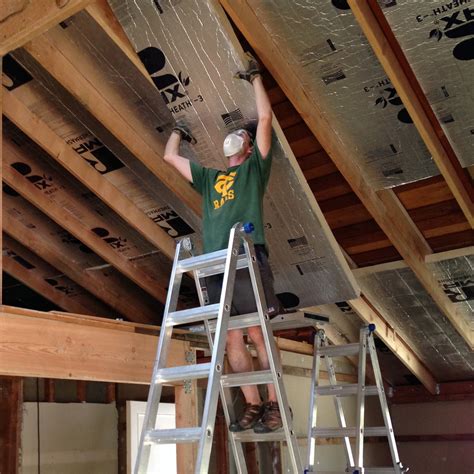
75,227
41,133
414,100
384,206
110,111
21,21
119,297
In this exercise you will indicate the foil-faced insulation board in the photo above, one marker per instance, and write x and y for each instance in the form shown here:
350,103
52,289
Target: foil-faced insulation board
325,46
70,296
31,219
33,165
416,317
92,143
191,53
437,37
456,277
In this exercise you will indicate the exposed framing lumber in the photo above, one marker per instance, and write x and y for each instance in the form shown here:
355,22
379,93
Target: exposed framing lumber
394,342
384,206
449,391
74,226
186,400
375,27
48,140
35,346
11,410
1,178
120,298
111,112
34,278
22,20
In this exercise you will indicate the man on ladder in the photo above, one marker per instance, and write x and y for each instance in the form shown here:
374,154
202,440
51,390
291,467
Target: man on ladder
236,195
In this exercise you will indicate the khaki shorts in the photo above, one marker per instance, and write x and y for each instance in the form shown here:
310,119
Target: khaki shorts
243,301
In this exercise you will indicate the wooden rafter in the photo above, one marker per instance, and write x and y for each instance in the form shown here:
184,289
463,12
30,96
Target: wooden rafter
41,133
122,298
75,227
36,275
111,110
372,20
383,205
22,20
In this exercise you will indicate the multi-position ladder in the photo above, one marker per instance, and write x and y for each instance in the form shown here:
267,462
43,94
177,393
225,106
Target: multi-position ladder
225,261
360,390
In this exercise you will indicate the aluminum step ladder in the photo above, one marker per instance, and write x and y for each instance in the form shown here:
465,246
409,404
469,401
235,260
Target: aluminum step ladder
355,465
225,261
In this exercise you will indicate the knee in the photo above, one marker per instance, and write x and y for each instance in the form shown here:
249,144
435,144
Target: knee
255,334
235,340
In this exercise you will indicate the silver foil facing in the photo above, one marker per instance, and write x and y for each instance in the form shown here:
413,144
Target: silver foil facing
191,53
417,318
456,277
437,38
325,46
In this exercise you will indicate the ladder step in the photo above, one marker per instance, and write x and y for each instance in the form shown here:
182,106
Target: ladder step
345,390
183,372
192,315
339,351
250,437
367,470
173,436
247,378
350,432
209,263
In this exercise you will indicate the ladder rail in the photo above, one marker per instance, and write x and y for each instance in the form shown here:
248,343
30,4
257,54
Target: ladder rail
217,360
154,395
360,418
273,357
384,406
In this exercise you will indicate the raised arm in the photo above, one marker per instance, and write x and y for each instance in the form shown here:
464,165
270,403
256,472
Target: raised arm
172,155
264,112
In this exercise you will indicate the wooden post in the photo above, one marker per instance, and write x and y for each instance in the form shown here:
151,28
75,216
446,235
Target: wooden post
11,400
49,393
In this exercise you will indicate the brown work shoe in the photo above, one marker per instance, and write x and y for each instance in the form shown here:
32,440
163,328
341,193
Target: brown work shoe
271,419
252,413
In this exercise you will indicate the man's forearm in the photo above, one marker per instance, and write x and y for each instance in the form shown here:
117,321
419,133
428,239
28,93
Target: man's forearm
172,145
264,108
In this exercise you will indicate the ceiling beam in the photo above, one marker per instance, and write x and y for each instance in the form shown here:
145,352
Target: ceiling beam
69,348
35,273
122,298
77,228
384,206
67,68
22,20
399,346
48,140
376,29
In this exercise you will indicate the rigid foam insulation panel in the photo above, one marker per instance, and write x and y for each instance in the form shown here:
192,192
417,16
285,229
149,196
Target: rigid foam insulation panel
192,54
324,45
416,317
437,37
33,165
89,139
70,296
81,258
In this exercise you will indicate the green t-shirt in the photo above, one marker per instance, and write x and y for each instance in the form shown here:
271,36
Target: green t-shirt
231,196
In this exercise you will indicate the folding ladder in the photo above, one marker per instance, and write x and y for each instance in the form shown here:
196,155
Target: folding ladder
225,261
360,390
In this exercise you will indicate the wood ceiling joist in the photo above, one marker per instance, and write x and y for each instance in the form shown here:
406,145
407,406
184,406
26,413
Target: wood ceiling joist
35,273
373,23
41,134
22,20
122,299
67,68
76,227
384,206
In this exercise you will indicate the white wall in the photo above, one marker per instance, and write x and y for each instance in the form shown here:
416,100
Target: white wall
75,438
436,457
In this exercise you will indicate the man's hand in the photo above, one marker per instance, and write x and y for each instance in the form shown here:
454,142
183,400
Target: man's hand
184,132
253,69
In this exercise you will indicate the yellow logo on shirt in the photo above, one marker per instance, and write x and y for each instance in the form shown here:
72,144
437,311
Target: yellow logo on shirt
223,186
